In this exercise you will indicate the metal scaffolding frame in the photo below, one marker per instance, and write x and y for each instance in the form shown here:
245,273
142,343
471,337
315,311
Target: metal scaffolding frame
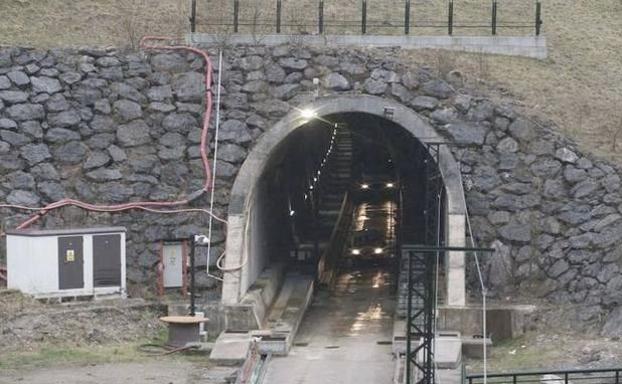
422,265
422,309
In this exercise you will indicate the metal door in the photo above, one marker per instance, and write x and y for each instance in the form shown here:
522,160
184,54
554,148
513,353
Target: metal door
172,255
106,260
70,262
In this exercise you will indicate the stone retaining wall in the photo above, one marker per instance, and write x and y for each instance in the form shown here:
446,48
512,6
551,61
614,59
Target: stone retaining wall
109,127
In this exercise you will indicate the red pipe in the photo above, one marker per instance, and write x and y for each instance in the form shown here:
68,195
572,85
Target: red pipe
149,205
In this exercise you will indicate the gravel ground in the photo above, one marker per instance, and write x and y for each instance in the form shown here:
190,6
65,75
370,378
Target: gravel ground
26,324
156,372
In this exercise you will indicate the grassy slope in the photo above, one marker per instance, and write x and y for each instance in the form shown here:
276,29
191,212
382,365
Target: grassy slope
579,86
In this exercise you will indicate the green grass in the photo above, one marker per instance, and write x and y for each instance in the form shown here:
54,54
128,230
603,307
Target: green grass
53,355
522,354
65,354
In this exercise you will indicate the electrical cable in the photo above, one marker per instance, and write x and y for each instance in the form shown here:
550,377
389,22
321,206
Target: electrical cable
438,243
149,205
244,252
481,281
153,349
214,158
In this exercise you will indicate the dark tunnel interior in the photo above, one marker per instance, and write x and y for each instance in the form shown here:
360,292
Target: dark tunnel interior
300,196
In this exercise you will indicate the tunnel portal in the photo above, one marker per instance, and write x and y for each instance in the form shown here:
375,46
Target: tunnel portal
314,174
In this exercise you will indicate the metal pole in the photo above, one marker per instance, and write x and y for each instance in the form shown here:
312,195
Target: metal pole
192,304
484,292
278,16
450,19
214,169
193,16
407,17
236,14
409,312
364,17
538,18
321,17
617,377
494,17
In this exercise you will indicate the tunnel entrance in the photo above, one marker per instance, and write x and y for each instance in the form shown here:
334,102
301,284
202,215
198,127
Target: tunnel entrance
337,190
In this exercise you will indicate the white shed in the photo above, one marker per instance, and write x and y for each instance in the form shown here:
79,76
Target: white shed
67,262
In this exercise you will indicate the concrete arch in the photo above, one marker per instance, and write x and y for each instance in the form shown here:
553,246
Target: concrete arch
237,282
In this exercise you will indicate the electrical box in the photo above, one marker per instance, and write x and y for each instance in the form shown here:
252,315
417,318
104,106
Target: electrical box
173,259
68,262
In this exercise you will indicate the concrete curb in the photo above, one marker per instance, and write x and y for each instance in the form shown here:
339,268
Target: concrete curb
526,46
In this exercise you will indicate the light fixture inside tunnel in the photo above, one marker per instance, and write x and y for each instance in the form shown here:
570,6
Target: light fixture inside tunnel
307,113
364,186
356,252
390,185
292,213
377,251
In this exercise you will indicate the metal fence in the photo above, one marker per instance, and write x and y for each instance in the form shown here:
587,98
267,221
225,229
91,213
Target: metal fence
377,17
578,376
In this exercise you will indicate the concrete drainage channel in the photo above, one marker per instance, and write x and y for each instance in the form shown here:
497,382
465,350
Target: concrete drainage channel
252,350
255,367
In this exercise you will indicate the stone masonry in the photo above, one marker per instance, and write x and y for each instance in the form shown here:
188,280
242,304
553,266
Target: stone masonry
110,127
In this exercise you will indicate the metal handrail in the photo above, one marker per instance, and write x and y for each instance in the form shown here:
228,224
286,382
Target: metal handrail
565,375
337,242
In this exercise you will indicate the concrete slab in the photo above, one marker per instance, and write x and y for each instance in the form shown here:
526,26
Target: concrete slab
503,321
450,376
286,314
448,352
473,347
399,336
231,348
345,336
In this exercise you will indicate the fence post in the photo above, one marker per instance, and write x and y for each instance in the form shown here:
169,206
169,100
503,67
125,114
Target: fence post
494,17
236,14
321,17
278,16
566,378
450,21
538,17
407,17
617,377
364,17
193,16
